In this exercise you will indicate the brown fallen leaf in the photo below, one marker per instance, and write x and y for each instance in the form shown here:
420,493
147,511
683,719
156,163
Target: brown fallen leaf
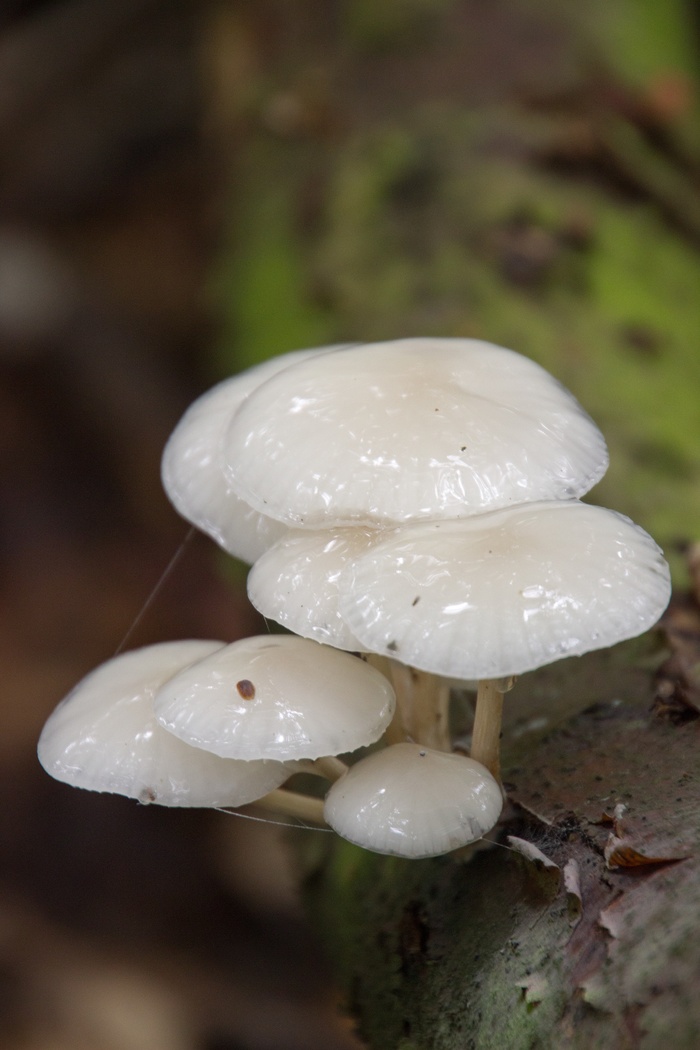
613,819
619,853
542,870
531,852
611,918
619,850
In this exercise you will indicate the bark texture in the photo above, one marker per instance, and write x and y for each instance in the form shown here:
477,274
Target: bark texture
582,933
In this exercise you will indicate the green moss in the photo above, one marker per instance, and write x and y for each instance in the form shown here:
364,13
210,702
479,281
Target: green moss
643,38
415,941
262,283
602,293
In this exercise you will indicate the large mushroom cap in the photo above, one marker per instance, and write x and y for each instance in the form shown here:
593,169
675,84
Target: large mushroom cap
506,592
295,582
192,468
104,737
277,697
411,801
417,428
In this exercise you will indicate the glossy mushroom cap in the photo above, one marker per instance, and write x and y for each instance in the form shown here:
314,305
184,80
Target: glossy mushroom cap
295,582
506,592
411,801
192,468
104,737
406,430
279,697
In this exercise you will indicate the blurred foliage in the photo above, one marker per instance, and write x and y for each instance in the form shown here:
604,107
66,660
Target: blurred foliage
562,221
262,281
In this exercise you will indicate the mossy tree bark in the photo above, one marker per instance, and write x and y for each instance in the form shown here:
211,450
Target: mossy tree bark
526,174
582,933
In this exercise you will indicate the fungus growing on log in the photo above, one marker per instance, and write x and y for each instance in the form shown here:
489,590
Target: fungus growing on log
417,502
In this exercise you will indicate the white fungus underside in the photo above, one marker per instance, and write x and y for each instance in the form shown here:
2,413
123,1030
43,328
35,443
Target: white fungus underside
309,701
506,592
104,737
417,428
192,468
414,802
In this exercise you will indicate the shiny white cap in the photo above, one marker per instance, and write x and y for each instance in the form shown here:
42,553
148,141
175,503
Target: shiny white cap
406,430
506,592
192,468
411,801
104,737
279,697
295,582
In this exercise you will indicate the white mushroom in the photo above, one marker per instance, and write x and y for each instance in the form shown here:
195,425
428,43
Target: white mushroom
104,737
413,429
192,469
295,582
411,801
503,593
277,696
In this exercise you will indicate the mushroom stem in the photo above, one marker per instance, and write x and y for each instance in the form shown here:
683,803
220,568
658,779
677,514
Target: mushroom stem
395,732
329,766
423,702
486,735
293,804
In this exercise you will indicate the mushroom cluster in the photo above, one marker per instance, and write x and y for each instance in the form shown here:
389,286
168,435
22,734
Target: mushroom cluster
416,503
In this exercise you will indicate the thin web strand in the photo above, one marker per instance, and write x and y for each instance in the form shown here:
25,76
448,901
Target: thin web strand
156,590
299,826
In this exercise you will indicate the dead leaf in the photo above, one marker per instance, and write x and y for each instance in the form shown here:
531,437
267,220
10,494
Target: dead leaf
532,853
542,870
620,854
572,885
610,918
612,819
622,847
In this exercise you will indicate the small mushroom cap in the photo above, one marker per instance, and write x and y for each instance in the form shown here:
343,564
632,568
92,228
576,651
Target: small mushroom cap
406,430
506,592
411,801
192,468
104,737
295,582
277,696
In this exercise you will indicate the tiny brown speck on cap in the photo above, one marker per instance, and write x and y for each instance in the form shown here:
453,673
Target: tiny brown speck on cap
246,689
